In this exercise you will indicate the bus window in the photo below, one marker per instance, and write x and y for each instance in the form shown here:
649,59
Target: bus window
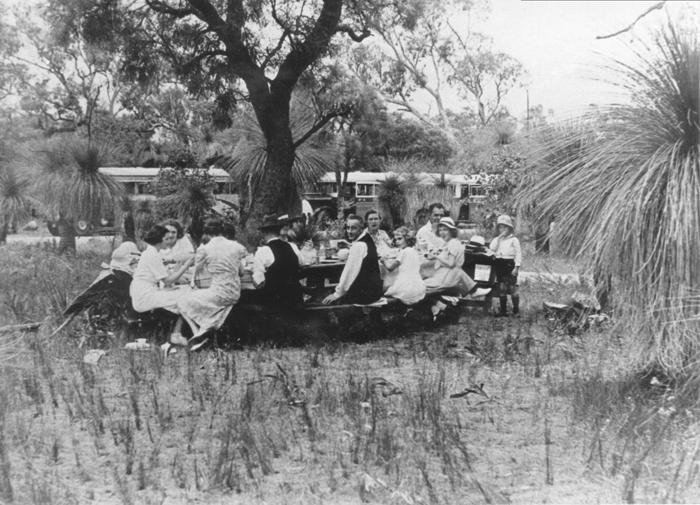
477,190
329,187
365,189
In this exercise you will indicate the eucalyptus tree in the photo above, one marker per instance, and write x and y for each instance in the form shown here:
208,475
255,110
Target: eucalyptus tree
427,48
253,50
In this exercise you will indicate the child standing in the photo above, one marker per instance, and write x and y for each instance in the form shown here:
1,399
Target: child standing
506,248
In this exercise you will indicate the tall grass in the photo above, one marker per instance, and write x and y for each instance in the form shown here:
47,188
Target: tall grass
624,185
342,421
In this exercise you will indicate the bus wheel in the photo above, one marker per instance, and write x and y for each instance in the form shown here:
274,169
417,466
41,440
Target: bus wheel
53,228
82,227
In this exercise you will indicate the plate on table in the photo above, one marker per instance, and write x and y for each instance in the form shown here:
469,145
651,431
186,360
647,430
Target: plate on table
329,261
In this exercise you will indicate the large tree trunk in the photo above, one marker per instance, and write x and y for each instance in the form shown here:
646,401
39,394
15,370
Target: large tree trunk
3,231
277,193
66,233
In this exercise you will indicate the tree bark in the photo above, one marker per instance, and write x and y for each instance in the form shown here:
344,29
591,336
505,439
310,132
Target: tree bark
277,194
3,231
66,233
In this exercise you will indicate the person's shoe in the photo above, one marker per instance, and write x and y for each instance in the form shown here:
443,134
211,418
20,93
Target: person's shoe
501,314
516,315
178,339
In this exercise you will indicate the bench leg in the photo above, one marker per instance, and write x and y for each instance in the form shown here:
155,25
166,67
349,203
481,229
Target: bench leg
488,303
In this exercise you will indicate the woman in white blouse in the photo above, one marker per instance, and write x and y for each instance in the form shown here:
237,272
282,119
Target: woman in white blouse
207,309
448,262
146,293
177,248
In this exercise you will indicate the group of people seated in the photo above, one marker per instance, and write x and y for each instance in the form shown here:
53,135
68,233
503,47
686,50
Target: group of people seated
201,286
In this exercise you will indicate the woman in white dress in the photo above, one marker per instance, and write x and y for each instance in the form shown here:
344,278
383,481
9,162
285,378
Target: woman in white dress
207,309
404,281
146,293
448,262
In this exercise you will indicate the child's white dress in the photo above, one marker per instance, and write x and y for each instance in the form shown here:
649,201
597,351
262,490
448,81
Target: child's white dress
406,284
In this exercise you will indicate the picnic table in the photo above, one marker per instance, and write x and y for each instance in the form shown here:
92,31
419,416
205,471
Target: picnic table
317,274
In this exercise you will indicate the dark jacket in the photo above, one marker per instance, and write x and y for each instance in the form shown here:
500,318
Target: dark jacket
367,287
282,286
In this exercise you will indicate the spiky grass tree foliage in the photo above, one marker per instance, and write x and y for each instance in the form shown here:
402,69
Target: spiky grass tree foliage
392,197
15,199
72,188
185,194
624,186
247,161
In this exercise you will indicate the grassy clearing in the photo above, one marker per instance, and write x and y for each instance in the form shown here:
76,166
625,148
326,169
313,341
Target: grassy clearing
560,421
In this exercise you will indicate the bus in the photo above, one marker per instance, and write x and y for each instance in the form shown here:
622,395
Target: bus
364,187
136,182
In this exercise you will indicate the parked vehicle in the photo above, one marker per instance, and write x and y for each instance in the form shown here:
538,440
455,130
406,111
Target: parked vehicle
136,182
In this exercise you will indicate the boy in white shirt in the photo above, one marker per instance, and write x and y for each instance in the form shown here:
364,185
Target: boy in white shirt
506,248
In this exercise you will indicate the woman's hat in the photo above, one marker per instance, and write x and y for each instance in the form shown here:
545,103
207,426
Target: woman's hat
447,221
124,256
271,221
477,240
505,220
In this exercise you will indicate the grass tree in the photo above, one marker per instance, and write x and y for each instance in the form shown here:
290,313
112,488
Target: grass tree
624,185
72,188
15,199
186,195
247,162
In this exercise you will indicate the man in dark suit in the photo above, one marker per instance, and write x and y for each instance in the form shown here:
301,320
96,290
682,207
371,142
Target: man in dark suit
360,281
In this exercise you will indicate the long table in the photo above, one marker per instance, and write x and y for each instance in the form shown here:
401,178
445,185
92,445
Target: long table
317,274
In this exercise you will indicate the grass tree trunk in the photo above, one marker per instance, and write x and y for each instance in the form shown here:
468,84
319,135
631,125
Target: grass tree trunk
277,193
66,233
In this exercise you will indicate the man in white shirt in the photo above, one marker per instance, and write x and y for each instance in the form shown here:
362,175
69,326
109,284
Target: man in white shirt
427,237
360,282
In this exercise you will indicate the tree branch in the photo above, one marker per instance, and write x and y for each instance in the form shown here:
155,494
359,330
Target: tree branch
275,50
205,11
321,122
301,56
235,16
352,33
203,55
164,8
631,25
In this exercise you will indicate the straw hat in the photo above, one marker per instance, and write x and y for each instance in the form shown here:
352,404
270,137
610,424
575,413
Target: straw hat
505,220
448,222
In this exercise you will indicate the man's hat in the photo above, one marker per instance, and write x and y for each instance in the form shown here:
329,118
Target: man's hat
271,221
